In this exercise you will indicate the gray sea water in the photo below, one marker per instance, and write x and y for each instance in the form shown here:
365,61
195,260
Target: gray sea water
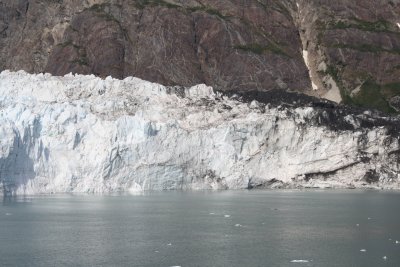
230,228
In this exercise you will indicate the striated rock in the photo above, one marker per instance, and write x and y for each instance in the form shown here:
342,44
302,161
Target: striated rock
84,134
170,42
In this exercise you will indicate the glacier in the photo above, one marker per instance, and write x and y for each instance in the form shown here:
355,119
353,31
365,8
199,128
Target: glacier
85,134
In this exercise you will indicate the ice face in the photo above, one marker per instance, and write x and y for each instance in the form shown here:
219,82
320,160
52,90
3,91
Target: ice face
85,134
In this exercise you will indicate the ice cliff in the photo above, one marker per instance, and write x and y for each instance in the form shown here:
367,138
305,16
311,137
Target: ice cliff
85,134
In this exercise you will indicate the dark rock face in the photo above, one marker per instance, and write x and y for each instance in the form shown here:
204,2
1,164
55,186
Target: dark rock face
228,44
92,43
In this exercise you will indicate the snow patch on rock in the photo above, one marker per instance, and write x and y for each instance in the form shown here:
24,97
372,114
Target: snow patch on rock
334,92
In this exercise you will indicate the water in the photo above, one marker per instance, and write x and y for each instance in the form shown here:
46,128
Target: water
265,228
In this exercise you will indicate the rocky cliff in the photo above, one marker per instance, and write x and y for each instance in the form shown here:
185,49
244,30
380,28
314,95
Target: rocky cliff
86,134
341,50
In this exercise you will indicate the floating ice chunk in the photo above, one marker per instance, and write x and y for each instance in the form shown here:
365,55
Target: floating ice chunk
238,225
169,244
369,218
8,214
384,258
363,250
156,251
212,213
398,25
397,242
299,261
357,224
227,215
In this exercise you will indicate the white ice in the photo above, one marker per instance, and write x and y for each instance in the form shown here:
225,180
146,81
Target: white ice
85,134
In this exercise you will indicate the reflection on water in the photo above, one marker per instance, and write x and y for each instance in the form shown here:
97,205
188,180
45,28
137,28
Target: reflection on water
229,228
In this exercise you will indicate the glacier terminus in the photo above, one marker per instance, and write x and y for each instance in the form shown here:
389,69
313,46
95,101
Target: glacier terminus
86,134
